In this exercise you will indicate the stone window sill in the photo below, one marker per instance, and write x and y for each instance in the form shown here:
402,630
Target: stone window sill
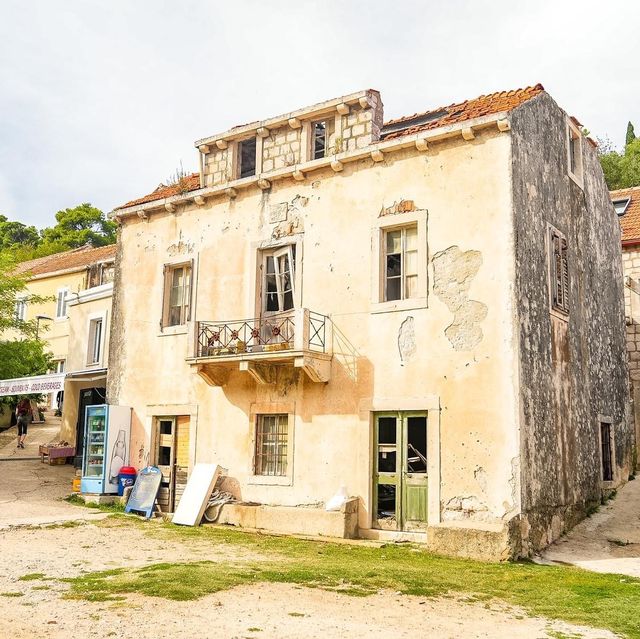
269,480
399,305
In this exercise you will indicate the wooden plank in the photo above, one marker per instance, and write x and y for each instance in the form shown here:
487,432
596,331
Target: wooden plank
196,495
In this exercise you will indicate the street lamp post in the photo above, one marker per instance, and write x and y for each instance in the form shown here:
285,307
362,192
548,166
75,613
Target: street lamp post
41,317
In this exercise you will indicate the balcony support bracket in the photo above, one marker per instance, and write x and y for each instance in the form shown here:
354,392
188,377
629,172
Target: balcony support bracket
317,370
262,373
213,375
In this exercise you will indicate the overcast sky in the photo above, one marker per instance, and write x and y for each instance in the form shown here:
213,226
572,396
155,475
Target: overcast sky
100,101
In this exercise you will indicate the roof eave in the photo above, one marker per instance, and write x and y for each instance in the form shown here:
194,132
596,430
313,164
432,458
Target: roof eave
464,129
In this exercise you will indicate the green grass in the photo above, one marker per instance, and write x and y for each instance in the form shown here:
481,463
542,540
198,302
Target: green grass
116,507
556,592
32,576
12,594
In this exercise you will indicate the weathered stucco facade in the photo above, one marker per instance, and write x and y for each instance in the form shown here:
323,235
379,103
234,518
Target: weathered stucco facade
509,400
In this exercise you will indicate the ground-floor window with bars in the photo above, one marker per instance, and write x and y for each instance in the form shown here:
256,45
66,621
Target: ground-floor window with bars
272,437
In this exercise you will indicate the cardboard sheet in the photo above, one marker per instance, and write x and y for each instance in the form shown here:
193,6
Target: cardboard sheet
196,495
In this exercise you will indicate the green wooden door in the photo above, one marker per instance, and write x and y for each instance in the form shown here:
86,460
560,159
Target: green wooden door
400,471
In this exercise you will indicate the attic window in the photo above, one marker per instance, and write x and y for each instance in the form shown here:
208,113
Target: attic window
319,139
621,205
247,157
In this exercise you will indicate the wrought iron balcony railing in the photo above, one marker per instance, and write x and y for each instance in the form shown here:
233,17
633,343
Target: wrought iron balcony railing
299,330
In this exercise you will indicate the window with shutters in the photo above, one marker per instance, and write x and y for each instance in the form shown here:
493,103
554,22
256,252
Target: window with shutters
558,271
177,294
61,303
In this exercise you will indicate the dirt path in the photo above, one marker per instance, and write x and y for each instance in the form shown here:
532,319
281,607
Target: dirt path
609,540
264,610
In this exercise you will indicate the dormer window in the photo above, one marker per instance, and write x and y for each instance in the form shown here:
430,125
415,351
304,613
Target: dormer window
319,139
247,158
621,205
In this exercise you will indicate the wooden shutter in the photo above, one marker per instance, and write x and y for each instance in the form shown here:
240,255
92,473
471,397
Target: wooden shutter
190,293
163,311
564,274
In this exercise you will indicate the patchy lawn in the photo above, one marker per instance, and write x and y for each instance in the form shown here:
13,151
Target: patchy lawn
565,593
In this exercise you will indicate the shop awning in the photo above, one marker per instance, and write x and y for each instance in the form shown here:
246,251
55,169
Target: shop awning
87,376
32,385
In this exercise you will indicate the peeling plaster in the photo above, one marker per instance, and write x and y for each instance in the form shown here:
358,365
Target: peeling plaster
465,507
180,247
453,272
407,340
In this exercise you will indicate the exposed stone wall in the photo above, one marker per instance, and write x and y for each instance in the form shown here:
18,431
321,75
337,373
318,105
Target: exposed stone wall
281,148
216,168
286,146
572,369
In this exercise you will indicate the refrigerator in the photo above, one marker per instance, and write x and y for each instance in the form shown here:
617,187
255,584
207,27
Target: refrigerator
106,447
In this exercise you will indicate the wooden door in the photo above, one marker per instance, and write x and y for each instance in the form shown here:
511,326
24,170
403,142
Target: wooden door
400,471
165,461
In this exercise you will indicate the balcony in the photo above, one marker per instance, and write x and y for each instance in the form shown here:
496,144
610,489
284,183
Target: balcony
258,346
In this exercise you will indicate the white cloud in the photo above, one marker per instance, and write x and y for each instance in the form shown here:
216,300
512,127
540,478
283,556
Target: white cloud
100,100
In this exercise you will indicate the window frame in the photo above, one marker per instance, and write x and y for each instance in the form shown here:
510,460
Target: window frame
92,321
559,285
65,315
272,408
275,254
608,421
238,160
185,317
575,161
383,225
20,308
312,127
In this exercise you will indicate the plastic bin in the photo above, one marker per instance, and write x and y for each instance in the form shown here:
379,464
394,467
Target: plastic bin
126,477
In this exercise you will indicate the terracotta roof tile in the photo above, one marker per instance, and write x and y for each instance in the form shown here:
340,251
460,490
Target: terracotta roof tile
454,113
478,107
630,220
188,183
75,258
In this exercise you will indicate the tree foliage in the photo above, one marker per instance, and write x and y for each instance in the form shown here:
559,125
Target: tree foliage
621,170
631,135
25,355
83,224
17,233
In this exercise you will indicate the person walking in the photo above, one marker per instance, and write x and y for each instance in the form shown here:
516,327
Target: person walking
23,415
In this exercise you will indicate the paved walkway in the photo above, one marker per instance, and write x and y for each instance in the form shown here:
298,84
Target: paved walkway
609,540
32,493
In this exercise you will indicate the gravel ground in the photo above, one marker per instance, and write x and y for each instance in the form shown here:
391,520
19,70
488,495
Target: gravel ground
264,610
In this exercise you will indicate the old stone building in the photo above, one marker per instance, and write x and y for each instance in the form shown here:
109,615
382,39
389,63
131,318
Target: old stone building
426,311
626,203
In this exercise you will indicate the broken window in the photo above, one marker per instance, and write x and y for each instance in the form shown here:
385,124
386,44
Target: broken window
271,445
606,450
279,276
386,506
319,140
401,263
177,294
95,341
417,444
559,271
247,157
387,449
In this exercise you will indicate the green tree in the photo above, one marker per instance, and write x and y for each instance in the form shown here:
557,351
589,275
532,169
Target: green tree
631,135
83,224
621,170
15,235
26,355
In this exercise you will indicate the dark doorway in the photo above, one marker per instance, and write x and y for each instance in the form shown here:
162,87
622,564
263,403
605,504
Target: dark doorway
88,397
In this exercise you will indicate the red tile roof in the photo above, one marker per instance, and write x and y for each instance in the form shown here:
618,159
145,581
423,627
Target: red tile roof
630,220
75,258
454,113
478,107
188,183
